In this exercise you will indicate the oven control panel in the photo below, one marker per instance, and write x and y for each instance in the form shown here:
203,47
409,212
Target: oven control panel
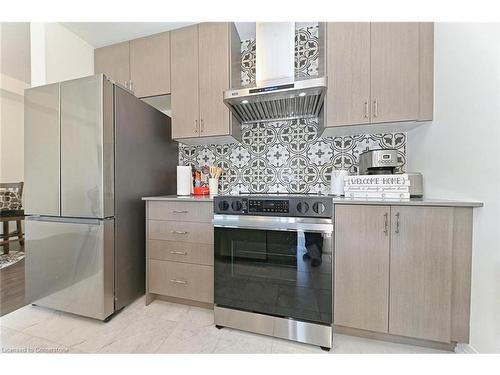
293,205
259,205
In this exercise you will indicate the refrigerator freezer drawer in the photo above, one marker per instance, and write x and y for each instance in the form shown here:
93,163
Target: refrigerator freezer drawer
69,265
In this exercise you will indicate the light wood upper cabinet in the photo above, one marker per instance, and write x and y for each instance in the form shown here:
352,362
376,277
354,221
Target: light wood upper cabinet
114,62
202,64
214,72
378,72
185,82
362,267
150,65
348,67
421,272
394,71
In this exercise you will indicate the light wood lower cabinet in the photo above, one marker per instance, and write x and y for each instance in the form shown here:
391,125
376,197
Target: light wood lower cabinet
181,211
180,251
185,252
361,267
421,272
181,280
404,270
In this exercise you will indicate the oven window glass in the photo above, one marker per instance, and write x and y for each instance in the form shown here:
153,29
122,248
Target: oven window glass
286,274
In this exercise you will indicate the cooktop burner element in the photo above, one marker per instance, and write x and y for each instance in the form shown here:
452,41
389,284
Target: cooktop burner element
290,205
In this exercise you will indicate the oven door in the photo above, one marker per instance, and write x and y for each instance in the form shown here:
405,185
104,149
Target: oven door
274,265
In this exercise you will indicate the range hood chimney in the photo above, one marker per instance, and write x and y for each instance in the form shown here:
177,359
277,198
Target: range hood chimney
276,94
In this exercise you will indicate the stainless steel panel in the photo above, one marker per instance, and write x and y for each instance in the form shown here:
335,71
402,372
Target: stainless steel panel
319,225
309,333
41,150
84,159
303,100
69,265
146,160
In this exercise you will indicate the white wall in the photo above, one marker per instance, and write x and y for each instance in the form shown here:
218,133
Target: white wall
14,78
459,155
57,54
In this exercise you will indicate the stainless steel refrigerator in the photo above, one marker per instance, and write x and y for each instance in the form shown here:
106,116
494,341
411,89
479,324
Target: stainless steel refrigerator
92,150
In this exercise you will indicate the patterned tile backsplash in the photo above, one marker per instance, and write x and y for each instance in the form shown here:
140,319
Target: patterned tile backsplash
286,156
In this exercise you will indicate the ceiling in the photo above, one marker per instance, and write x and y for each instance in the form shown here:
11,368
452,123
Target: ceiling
99,34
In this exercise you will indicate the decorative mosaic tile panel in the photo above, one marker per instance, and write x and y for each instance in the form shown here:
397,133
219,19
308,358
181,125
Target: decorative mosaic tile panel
306,55
287,156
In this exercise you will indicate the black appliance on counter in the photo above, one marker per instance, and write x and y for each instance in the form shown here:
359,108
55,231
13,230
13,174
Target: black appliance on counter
274,266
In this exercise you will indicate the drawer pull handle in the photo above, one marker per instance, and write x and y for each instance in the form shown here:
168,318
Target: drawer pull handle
397,222
179,212
175,281
179,232
178,252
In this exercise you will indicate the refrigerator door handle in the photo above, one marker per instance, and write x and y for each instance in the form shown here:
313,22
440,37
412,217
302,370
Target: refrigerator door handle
58,219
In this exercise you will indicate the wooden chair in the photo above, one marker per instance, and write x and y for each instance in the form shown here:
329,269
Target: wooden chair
12,215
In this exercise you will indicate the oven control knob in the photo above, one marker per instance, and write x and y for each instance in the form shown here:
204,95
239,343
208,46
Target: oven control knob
302,207
236,206
319,207
223,205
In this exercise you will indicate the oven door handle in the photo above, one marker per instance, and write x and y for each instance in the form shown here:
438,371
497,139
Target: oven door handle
316,228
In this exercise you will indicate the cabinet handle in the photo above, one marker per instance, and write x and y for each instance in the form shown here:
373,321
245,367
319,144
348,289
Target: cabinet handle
180,212
176,281
178,232
375,108
366,109
386,223
202,126
397,222
196,126
178,252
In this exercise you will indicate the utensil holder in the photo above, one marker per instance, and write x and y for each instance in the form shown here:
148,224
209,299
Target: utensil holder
213,185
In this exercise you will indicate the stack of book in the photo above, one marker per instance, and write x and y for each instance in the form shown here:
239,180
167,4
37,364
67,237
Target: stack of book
392,186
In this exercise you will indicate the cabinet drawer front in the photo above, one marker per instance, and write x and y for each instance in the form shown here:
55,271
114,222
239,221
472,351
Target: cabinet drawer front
181,231
181,280
185,252
201,212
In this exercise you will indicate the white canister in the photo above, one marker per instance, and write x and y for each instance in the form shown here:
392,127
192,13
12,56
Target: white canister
184,180
213,186
337,182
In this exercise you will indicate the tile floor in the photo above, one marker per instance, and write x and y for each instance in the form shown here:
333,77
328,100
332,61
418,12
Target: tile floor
160,327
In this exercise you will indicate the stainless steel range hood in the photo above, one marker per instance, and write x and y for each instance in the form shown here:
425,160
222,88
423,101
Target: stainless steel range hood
276,94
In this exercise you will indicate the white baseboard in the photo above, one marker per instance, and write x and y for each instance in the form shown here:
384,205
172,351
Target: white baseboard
465,349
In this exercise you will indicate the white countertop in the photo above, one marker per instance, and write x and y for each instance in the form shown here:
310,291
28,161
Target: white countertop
187,198
341,200
411,202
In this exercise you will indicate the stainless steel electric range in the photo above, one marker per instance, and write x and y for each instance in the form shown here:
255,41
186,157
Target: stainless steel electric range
274,266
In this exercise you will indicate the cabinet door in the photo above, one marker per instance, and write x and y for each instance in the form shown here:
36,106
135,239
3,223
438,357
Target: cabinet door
214,77
362,267
150,65
114,62
394,71
348,70
420,277
184,82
